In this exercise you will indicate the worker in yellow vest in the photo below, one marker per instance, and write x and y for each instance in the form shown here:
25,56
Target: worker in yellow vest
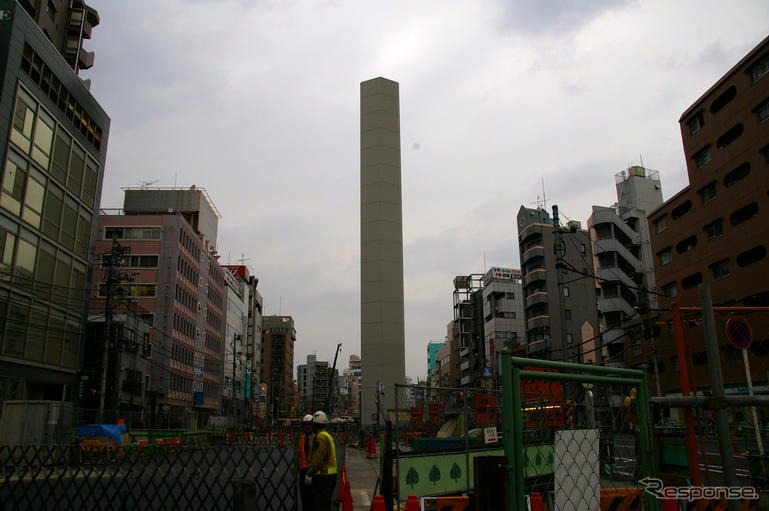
305,452
321,472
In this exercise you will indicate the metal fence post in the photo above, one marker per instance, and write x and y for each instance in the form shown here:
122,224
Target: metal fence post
507,423
648,465
518,440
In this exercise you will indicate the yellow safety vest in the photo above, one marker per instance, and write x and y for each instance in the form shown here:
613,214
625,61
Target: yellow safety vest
330,468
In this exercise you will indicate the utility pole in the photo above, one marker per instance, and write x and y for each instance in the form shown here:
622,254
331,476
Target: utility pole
113,277
559,267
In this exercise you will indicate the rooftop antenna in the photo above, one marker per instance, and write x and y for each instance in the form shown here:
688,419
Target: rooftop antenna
145,184
541,203
243,259
484,260
642,159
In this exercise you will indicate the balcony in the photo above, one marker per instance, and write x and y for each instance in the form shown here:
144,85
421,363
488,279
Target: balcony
535,251
465,380
464,365
541,321
615,304
537,346
615,335
535,276
538,297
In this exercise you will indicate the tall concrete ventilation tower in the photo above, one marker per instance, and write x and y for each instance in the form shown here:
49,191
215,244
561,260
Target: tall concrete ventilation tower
381,247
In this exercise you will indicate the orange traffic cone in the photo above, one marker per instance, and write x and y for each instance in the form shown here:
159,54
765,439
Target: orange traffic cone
378,504
412,503
342,480
347,500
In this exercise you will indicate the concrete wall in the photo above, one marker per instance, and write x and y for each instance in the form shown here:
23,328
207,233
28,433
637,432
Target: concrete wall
382,327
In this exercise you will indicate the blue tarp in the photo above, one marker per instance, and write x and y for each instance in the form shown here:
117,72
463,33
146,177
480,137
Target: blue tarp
110,430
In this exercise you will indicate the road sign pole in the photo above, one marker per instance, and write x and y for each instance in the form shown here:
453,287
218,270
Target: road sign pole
749,379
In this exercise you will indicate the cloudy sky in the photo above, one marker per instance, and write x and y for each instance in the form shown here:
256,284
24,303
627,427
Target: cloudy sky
258,102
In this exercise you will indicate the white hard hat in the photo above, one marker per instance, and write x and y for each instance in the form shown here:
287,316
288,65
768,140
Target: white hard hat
307,419
320,418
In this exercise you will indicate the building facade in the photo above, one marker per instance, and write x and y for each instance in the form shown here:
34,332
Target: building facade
235,352
255,389
623,260
504,326
178,283
278,338
715,230
54,147
561,319
66,24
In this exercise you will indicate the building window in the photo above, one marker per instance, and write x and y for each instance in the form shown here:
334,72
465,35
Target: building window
701,157
568,313
565,291
569,338
751,256
636,346
720,269
670,290
744,214
696,123
714,229
661,224
762,111
132,233
687,244
510,296
759,69
582,249
14,178
735,175
722,100
692,280
681,210
665,256
708,193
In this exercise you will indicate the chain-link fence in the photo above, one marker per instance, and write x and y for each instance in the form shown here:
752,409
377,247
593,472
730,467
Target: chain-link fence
163,478
580,436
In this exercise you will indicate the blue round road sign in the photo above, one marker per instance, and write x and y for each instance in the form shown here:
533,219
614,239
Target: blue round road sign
738,332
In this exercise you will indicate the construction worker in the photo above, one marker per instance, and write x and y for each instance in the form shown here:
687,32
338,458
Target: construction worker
321,472
305,452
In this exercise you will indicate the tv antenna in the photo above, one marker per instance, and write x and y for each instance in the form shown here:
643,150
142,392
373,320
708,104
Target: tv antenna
541,204
145,184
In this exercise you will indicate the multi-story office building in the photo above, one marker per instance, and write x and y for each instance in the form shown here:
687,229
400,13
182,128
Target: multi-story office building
235,350
715,230
312,382
278,338
254,385
54,146
504,326
488,318
623,256
560,325
446,369
170,235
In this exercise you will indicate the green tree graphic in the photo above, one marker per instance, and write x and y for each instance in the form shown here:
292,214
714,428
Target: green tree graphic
412,477
455,473
435,475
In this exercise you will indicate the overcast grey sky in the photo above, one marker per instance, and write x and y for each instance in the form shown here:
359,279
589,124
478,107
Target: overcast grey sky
258,102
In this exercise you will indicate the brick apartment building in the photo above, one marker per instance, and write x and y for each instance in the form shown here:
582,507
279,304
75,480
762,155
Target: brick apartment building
716,230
